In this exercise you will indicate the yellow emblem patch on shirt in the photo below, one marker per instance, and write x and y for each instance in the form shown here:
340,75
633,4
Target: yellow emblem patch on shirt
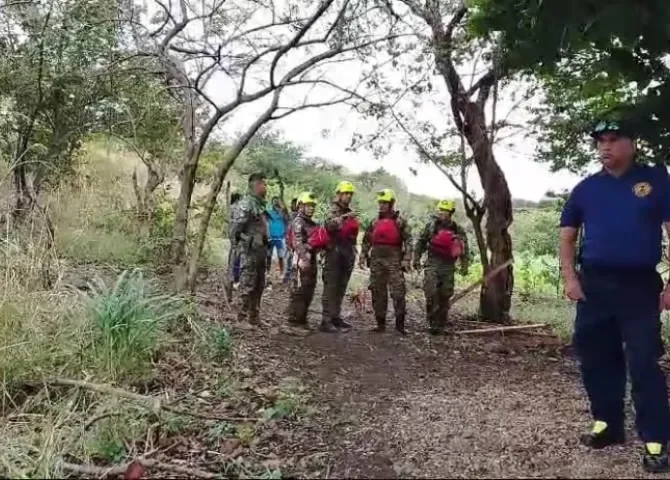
642,189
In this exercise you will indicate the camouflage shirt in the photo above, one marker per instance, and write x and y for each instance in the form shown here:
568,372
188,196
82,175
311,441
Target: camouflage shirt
302,227
431,228
249,223
405,235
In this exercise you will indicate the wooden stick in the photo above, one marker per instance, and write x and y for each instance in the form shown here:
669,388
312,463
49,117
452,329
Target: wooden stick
482,280
116,470
501,329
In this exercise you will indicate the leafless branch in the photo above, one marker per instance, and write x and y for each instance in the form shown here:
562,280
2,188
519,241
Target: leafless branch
302,32
307,105
484,81
434,160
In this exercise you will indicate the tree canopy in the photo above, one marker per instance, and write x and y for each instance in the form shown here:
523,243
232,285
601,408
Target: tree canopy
594,60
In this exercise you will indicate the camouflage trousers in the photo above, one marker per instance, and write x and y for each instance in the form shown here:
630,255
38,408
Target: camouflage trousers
438,287
337,269
386,275
228,279
303,285
252,284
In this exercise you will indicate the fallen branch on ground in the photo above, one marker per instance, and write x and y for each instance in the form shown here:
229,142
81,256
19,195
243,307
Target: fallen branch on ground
482,280
117,470
100,417
152,403
501,329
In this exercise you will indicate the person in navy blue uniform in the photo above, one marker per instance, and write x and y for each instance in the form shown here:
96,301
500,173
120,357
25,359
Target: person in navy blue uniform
619,293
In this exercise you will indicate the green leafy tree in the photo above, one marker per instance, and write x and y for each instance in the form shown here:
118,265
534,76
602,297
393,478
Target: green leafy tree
55,64
593,59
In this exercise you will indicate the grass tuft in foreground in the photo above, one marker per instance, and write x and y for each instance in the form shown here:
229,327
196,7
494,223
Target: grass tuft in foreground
128,321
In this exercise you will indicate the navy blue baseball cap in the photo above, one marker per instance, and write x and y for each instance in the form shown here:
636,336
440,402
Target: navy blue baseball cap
620,127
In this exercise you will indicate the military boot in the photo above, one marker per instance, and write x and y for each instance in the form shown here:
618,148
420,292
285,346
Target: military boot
327,326
299,321
400,324
341,324
381,325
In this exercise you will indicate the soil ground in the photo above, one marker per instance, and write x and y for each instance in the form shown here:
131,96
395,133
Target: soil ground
387,406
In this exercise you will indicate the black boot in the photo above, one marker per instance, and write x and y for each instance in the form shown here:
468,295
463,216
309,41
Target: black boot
299,323
655,459
327,326
600,437
381,325
400,324
341,324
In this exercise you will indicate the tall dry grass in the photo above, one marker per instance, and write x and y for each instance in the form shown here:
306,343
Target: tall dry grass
81,310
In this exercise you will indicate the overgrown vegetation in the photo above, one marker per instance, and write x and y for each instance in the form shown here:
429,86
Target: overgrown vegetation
115,177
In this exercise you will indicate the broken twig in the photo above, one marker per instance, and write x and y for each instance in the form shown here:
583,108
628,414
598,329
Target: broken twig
482,280
501,329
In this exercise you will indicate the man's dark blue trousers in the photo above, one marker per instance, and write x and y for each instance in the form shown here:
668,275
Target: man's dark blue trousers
618,326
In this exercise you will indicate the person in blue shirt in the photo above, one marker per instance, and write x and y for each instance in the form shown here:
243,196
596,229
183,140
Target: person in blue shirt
619,293
278,221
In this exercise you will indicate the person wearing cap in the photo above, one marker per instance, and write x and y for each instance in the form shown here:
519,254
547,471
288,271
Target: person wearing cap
387,248
619,293
308,238
340,256
445,243
249,232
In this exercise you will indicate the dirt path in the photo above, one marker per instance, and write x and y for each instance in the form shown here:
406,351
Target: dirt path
423,407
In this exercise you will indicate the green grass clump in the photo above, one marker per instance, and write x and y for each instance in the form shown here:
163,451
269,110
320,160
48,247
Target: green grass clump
129,321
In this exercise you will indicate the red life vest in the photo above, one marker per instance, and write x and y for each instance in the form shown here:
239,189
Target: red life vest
318,238
349,229
386,232
446,244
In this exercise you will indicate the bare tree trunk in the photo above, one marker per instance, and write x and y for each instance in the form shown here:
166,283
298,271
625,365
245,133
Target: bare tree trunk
476,221
470,118
496,295
227,162
180,232
24,201
227,194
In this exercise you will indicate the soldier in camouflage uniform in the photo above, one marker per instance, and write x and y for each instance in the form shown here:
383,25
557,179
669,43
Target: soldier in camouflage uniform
340,257
249,231
289,252
305,262
232,270
445,241
386,248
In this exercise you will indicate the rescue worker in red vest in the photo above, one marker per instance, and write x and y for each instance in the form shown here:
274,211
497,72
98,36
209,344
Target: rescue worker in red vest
340,257
305,242
446,242
386,249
